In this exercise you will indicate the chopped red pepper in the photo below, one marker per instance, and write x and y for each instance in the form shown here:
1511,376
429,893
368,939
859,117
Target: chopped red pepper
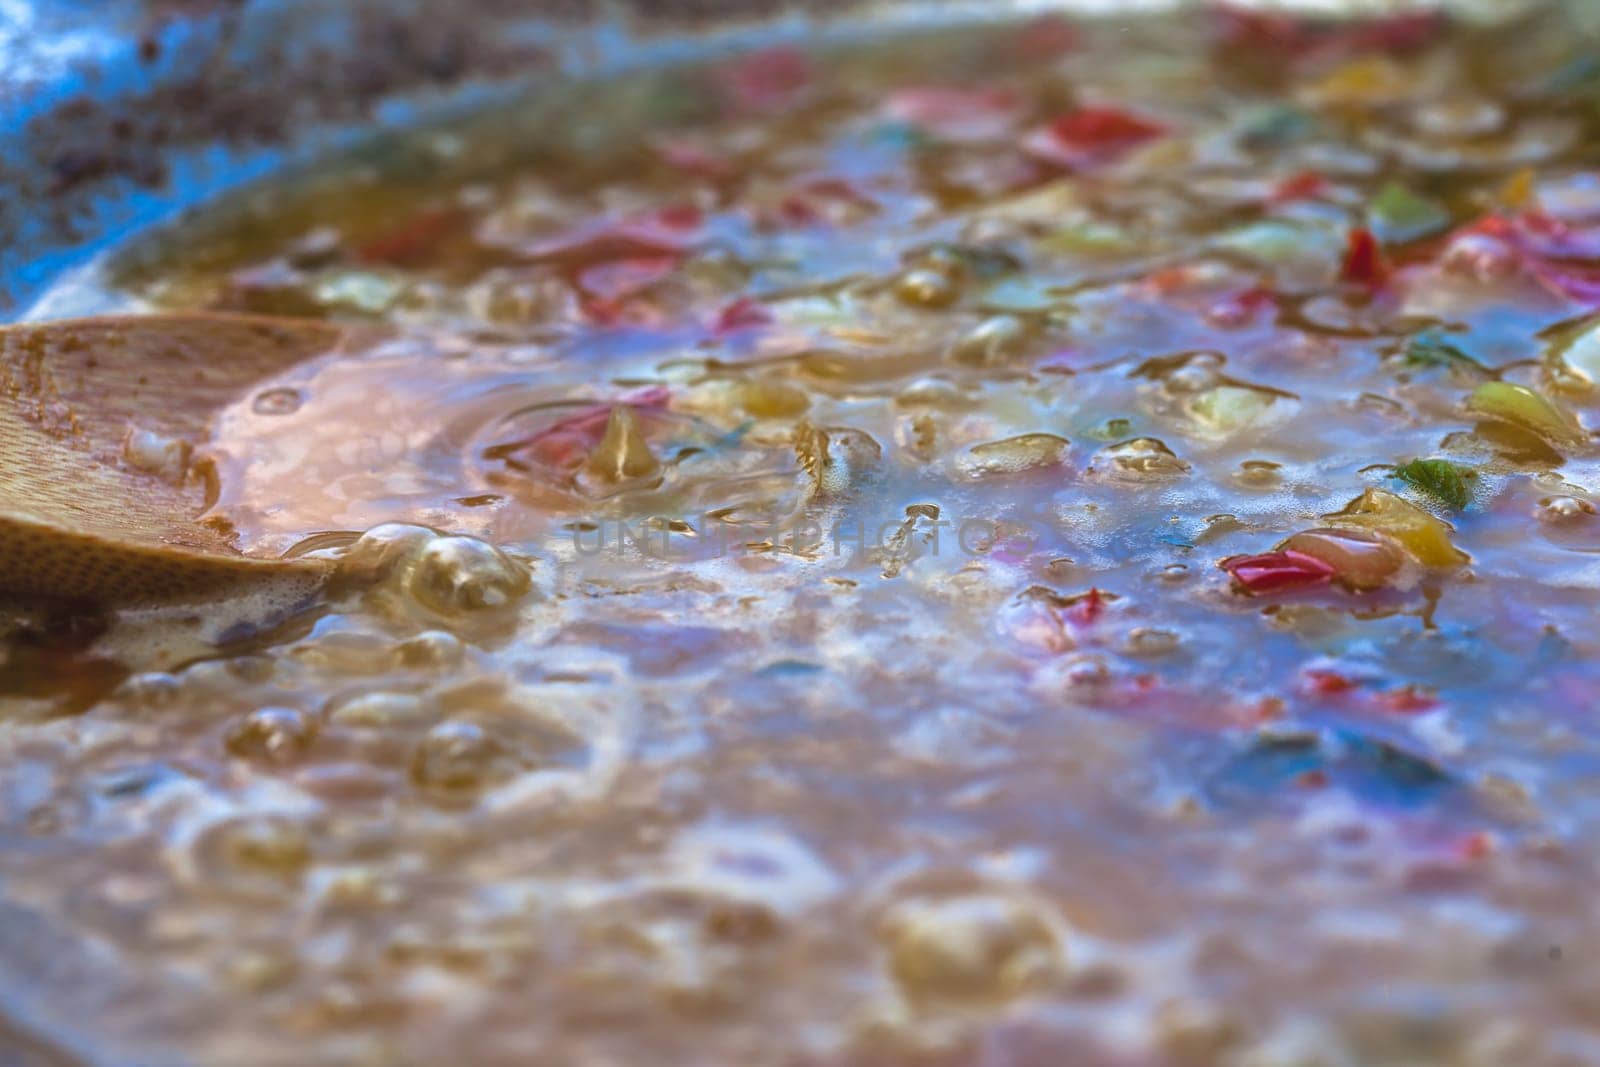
1406,700
1170,282
1364,261
1151,699
1273,572
743,314
768,80
1101,126
840,190
1272,33
682,218
1262,709
1405,32
817,201
1537,234
1553,250
1047,37
1557,238
796,210
597,244
1581,284
417,238
566,442
1239,309
1091,136
619,279
1476,846
1305,185
690,158
611,262
1492,226
956,113
1089,607
1325,682
1554,253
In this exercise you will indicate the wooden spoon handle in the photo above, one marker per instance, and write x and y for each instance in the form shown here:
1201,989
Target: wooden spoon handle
88,410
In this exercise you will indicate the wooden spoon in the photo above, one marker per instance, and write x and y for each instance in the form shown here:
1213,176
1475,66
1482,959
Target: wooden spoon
98,499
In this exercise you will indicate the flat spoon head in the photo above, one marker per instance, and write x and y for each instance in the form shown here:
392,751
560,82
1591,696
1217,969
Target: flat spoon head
99,498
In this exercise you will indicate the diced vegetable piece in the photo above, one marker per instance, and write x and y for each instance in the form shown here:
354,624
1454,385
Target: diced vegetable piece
767,80
991,342
1276,243
1090,239
767,399
1404,775
622,453
1274,125
1521,406
1432,350
1364,262
1405,700
1306,185
1014,455
1402,32
619,279
1439,478
1293,34
743,314
930,289
1559,256
1273,572
566,442
1577,354
368,291
1241,308
1327,682
1020,295
683,154
1093,135
1359,560
1577,283
1141,458
1373,769
1518,190
956,113
1087,608
417,238
1427,538
860,363
1046,204
1399,215
1549,237
1368,80
1048,36
1229,408
984,262
665,234
1104,126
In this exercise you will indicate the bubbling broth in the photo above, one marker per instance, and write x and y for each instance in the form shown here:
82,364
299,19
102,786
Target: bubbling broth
1060,543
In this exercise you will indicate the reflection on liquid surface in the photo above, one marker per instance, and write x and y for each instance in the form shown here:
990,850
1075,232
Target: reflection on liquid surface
1067,545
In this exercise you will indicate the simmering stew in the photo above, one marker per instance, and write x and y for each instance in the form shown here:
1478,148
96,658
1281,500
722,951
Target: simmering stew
1063,543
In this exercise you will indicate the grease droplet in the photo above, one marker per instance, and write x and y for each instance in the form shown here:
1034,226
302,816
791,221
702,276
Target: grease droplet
277,402
273,735
455,756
